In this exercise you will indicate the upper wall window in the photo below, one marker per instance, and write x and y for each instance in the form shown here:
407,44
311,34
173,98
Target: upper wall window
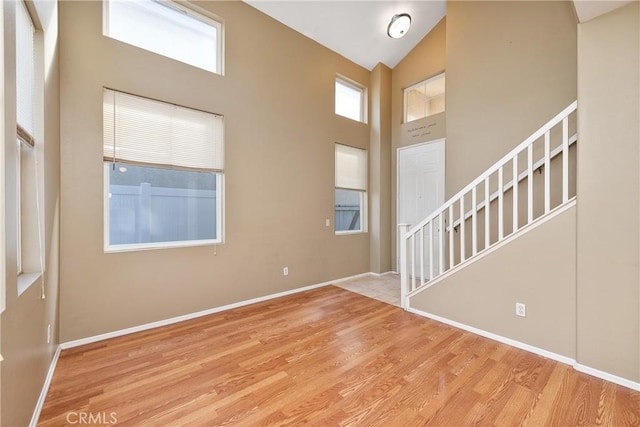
351,100
424,99
163,169
166,28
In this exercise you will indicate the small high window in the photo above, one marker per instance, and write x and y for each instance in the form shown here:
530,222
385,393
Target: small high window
163,169
351,190
351,100
424,99
167,28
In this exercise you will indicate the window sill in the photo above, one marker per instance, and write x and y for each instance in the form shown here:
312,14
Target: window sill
160,245
25,280
352,119
343,233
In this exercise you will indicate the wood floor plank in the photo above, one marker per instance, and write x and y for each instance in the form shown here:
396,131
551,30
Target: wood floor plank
325,357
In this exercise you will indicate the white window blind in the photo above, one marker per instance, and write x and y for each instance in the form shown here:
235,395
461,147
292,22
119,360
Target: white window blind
145,131
25,79
351,168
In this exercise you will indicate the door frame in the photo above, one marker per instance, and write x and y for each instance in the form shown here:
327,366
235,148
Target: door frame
398,150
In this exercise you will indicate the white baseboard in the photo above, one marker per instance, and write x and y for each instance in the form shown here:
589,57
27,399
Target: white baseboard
96,338
45,388
539,351
607,376
172,320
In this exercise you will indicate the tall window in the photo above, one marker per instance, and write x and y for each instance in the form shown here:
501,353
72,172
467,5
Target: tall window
164,171
2,172
27,118
351,100
424,99
351,190
167,28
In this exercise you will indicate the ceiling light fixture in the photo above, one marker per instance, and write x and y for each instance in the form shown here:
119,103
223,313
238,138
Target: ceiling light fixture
399,25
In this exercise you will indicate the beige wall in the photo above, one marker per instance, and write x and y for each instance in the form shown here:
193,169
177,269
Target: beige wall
511,66
597,294
608,191
483,295
278,101
426,60
380,170
24,323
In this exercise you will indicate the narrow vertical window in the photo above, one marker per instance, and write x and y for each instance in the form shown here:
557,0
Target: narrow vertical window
350,100
351,189
2,173
29,90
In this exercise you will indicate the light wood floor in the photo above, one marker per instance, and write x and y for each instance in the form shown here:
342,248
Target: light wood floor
324,357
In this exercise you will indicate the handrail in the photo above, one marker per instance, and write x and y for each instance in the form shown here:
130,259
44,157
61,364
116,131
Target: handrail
521,177
492,169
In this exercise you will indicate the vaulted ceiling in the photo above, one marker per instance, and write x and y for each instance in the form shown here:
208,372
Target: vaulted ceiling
358,29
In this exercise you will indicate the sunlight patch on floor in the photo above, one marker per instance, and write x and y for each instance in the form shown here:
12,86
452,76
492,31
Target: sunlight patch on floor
385,288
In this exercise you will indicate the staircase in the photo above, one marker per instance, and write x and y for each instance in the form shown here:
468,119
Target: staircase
528,186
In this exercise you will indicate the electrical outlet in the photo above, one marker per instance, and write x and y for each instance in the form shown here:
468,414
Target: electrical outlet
327,222
520,309
49,333
285,271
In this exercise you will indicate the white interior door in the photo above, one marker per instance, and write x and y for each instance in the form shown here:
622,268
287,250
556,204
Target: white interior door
420,186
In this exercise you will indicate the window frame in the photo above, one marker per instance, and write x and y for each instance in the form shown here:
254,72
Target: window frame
109,248
19,184
166,114
364,211
32,140
26,278
405,97
352,84
363,214
190,10
3,192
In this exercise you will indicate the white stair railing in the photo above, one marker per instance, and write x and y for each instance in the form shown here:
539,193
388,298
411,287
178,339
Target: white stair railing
505,199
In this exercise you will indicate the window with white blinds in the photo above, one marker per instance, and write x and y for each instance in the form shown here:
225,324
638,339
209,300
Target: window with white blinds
2,187
25,74
29,130
350,189
164,170
144,131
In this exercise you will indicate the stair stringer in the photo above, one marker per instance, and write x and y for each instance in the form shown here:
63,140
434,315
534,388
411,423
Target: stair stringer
536,266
